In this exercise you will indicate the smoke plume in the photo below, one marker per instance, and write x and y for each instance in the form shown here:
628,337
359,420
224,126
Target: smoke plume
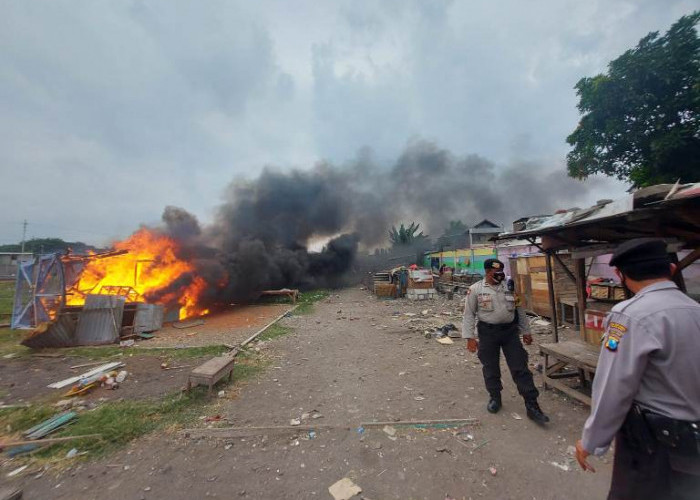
260,235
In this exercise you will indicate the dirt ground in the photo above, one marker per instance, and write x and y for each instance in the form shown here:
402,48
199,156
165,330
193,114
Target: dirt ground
353,360
225,327
26,379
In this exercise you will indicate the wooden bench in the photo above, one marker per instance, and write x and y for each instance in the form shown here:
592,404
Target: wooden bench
212,371
292,294
571,353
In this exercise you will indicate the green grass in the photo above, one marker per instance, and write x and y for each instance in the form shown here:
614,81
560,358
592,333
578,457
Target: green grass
170,352
7,297
307,300
9,343
120,422
274,331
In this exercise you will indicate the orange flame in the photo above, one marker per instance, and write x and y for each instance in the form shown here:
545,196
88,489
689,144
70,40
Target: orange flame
150,266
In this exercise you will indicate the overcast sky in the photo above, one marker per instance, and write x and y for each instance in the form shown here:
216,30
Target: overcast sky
112,110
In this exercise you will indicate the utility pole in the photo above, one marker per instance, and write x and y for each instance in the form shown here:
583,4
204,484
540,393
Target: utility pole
24,233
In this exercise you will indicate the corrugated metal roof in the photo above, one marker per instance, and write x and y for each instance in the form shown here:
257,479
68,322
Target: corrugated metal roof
148,318
100,320
60,333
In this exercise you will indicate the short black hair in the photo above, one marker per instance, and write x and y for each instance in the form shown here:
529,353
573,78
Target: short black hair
648,270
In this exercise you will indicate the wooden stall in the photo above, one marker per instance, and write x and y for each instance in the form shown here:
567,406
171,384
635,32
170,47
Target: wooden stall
664,211
530,275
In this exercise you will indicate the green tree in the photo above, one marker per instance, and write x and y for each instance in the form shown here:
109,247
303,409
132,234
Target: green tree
640,120
454,235
405,236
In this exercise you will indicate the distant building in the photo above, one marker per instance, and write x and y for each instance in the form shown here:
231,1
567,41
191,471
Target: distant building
482,232
9,263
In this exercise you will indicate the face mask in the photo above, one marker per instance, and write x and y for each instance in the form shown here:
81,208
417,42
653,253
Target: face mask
498,277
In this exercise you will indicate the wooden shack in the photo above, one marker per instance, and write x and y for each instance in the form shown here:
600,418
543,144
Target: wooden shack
663,211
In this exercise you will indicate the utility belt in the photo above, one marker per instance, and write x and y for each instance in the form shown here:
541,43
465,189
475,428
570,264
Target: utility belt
498,326
648,431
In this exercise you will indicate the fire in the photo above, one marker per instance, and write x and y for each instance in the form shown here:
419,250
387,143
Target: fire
150,268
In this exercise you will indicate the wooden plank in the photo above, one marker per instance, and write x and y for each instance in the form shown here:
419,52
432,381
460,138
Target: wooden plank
49,440
461,421
254,336
580,271
568,390
552,300
213,366
574,352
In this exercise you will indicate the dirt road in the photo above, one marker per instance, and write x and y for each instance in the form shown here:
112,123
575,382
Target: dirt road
354,360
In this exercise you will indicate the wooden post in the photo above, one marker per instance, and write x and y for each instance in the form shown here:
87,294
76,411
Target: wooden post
580,270
552,300
678,277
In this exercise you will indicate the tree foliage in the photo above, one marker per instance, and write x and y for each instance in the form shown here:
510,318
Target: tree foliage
406,236
641,119
47,245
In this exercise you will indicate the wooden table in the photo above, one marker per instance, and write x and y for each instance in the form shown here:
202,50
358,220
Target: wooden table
574,353
212,371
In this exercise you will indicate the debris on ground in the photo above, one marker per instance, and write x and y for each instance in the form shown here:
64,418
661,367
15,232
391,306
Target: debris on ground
295,421
344,489
10,494
493,471
563,467
516,416
51,425
17,471
180,325
99,370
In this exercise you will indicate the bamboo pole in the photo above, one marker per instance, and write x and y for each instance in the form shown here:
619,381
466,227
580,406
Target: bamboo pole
49,440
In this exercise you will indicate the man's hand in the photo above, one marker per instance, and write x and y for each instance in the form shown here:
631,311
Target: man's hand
527,339
472,345
581,456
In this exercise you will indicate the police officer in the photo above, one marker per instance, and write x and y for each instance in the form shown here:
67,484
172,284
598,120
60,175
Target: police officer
500,319
646,391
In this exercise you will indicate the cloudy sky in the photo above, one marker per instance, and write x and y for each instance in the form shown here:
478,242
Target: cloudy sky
113,110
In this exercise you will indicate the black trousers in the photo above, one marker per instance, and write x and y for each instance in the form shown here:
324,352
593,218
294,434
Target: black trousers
493,338
638,475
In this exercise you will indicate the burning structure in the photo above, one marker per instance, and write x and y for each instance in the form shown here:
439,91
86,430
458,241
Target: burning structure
259,237
99,298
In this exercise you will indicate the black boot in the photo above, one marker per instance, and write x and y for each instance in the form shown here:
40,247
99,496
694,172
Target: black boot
494,403
534,412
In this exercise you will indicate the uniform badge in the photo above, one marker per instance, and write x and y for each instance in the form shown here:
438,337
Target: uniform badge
615,332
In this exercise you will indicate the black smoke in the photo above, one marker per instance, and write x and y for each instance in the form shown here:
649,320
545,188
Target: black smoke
260,236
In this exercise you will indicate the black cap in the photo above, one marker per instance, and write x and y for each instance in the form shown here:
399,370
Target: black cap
493,264
640,250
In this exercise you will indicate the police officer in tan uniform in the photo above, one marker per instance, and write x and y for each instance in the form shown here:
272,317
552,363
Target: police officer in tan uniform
646,391
500,320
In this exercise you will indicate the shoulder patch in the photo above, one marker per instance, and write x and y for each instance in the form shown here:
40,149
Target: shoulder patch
613,335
